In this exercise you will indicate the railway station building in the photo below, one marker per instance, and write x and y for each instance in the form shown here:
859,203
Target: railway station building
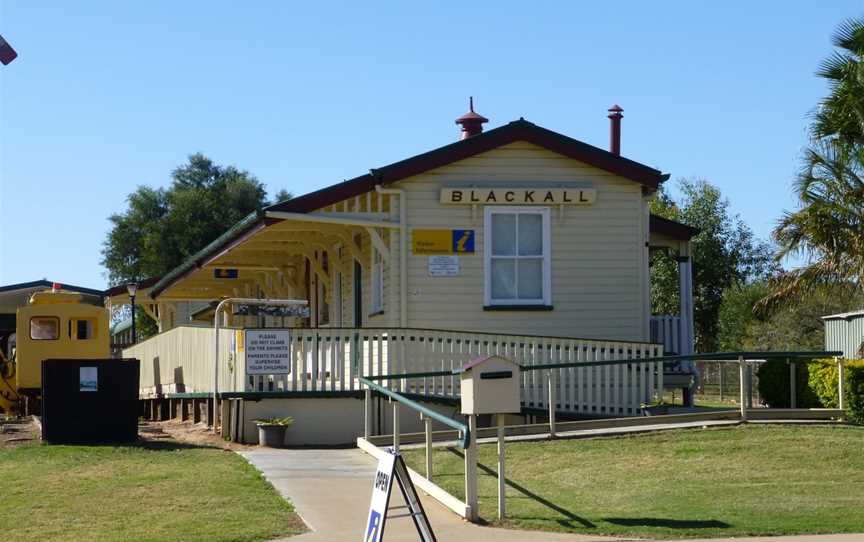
512,231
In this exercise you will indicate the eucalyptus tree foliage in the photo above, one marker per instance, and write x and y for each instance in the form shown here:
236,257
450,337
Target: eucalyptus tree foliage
826,229
797,326
725,253
162,227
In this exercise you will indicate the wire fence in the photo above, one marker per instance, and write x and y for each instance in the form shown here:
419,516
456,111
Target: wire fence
719,384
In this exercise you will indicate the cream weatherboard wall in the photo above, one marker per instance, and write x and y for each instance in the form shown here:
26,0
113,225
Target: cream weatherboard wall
599,259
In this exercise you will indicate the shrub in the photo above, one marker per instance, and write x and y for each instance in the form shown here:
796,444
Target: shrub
823,381
774,385
855,392
275,421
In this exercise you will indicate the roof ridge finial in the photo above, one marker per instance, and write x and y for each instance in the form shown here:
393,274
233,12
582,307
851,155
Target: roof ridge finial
471,103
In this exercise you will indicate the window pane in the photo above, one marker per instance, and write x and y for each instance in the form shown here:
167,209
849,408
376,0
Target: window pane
503,234
503,278
530,234
44,328
531,278
83,329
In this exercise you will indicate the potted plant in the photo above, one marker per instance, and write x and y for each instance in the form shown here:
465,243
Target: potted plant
656,407
271,431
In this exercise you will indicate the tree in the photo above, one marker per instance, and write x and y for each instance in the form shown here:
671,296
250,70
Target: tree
161,227
281,195
797,326
841,114
736,319
826,230
725,253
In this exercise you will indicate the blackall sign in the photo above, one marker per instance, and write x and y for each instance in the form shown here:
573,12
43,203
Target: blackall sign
268,351
392,465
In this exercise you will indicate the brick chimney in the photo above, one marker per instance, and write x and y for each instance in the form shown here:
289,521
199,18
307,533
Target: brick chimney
615,117
472,123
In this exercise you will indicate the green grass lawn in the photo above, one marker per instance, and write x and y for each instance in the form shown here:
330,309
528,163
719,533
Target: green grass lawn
744,480
714,402
159,491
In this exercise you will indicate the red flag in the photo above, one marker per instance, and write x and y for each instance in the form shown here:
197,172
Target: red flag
7,53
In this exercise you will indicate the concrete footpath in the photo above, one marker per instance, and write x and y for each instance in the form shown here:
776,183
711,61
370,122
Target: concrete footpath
330,489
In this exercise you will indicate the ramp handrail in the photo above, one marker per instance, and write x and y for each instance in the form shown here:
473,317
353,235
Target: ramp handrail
469,432
730,357
461,427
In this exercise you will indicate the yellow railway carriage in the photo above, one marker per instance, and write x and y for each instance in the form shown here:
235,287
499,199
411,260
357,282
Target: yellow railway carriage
55,324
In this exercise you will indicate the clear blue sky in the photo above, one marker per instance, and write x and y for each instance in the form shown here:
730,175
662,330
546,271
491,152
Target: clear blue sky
111,95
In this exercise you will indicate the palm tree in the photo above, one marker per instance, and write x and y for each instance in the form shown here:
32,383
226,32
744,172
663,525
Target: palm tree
841,114
828,229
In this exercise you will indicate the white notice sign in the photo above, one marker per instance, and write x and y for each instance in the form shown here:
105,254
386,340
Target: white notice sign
267,351
443,266
380,499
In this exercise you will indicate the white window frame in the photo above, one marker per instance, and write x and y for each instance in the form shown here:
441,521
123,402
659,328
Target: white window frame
546,217
376,278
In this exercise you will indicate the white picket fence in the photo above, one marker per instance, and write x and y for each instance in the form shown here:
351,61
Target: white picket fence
329,360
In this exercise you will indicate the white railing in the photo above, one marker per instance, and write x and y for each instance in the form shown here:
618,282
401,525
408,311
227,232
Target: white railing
332,360
666,330
180,360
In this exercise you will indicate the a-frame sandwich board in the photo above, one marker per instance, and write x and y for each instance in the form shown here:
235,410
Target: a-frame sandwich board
392,465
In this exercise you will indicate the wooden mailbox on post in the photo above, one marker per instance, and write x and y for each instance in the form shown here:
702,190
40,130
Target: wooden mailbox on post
490,385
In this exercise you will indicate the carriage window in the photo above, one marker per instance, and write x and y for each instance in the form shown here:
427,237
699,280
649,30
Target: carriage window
44,328
82,329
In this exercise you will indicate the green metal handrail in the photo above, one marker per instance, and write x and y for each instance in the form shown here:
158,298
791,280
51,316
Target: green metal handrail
466,433
730,357
716,356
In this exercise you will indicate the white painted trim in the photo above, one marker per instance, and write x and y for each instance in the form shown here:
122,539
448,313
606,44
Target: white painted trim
685,294
378,243
327,218
403,249
545,213
338,274
436,492
644,266
376,282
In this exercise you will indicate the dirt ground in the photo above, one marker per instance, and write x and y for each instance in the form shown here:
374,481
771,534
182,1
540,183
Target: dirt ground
188,432
17,431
